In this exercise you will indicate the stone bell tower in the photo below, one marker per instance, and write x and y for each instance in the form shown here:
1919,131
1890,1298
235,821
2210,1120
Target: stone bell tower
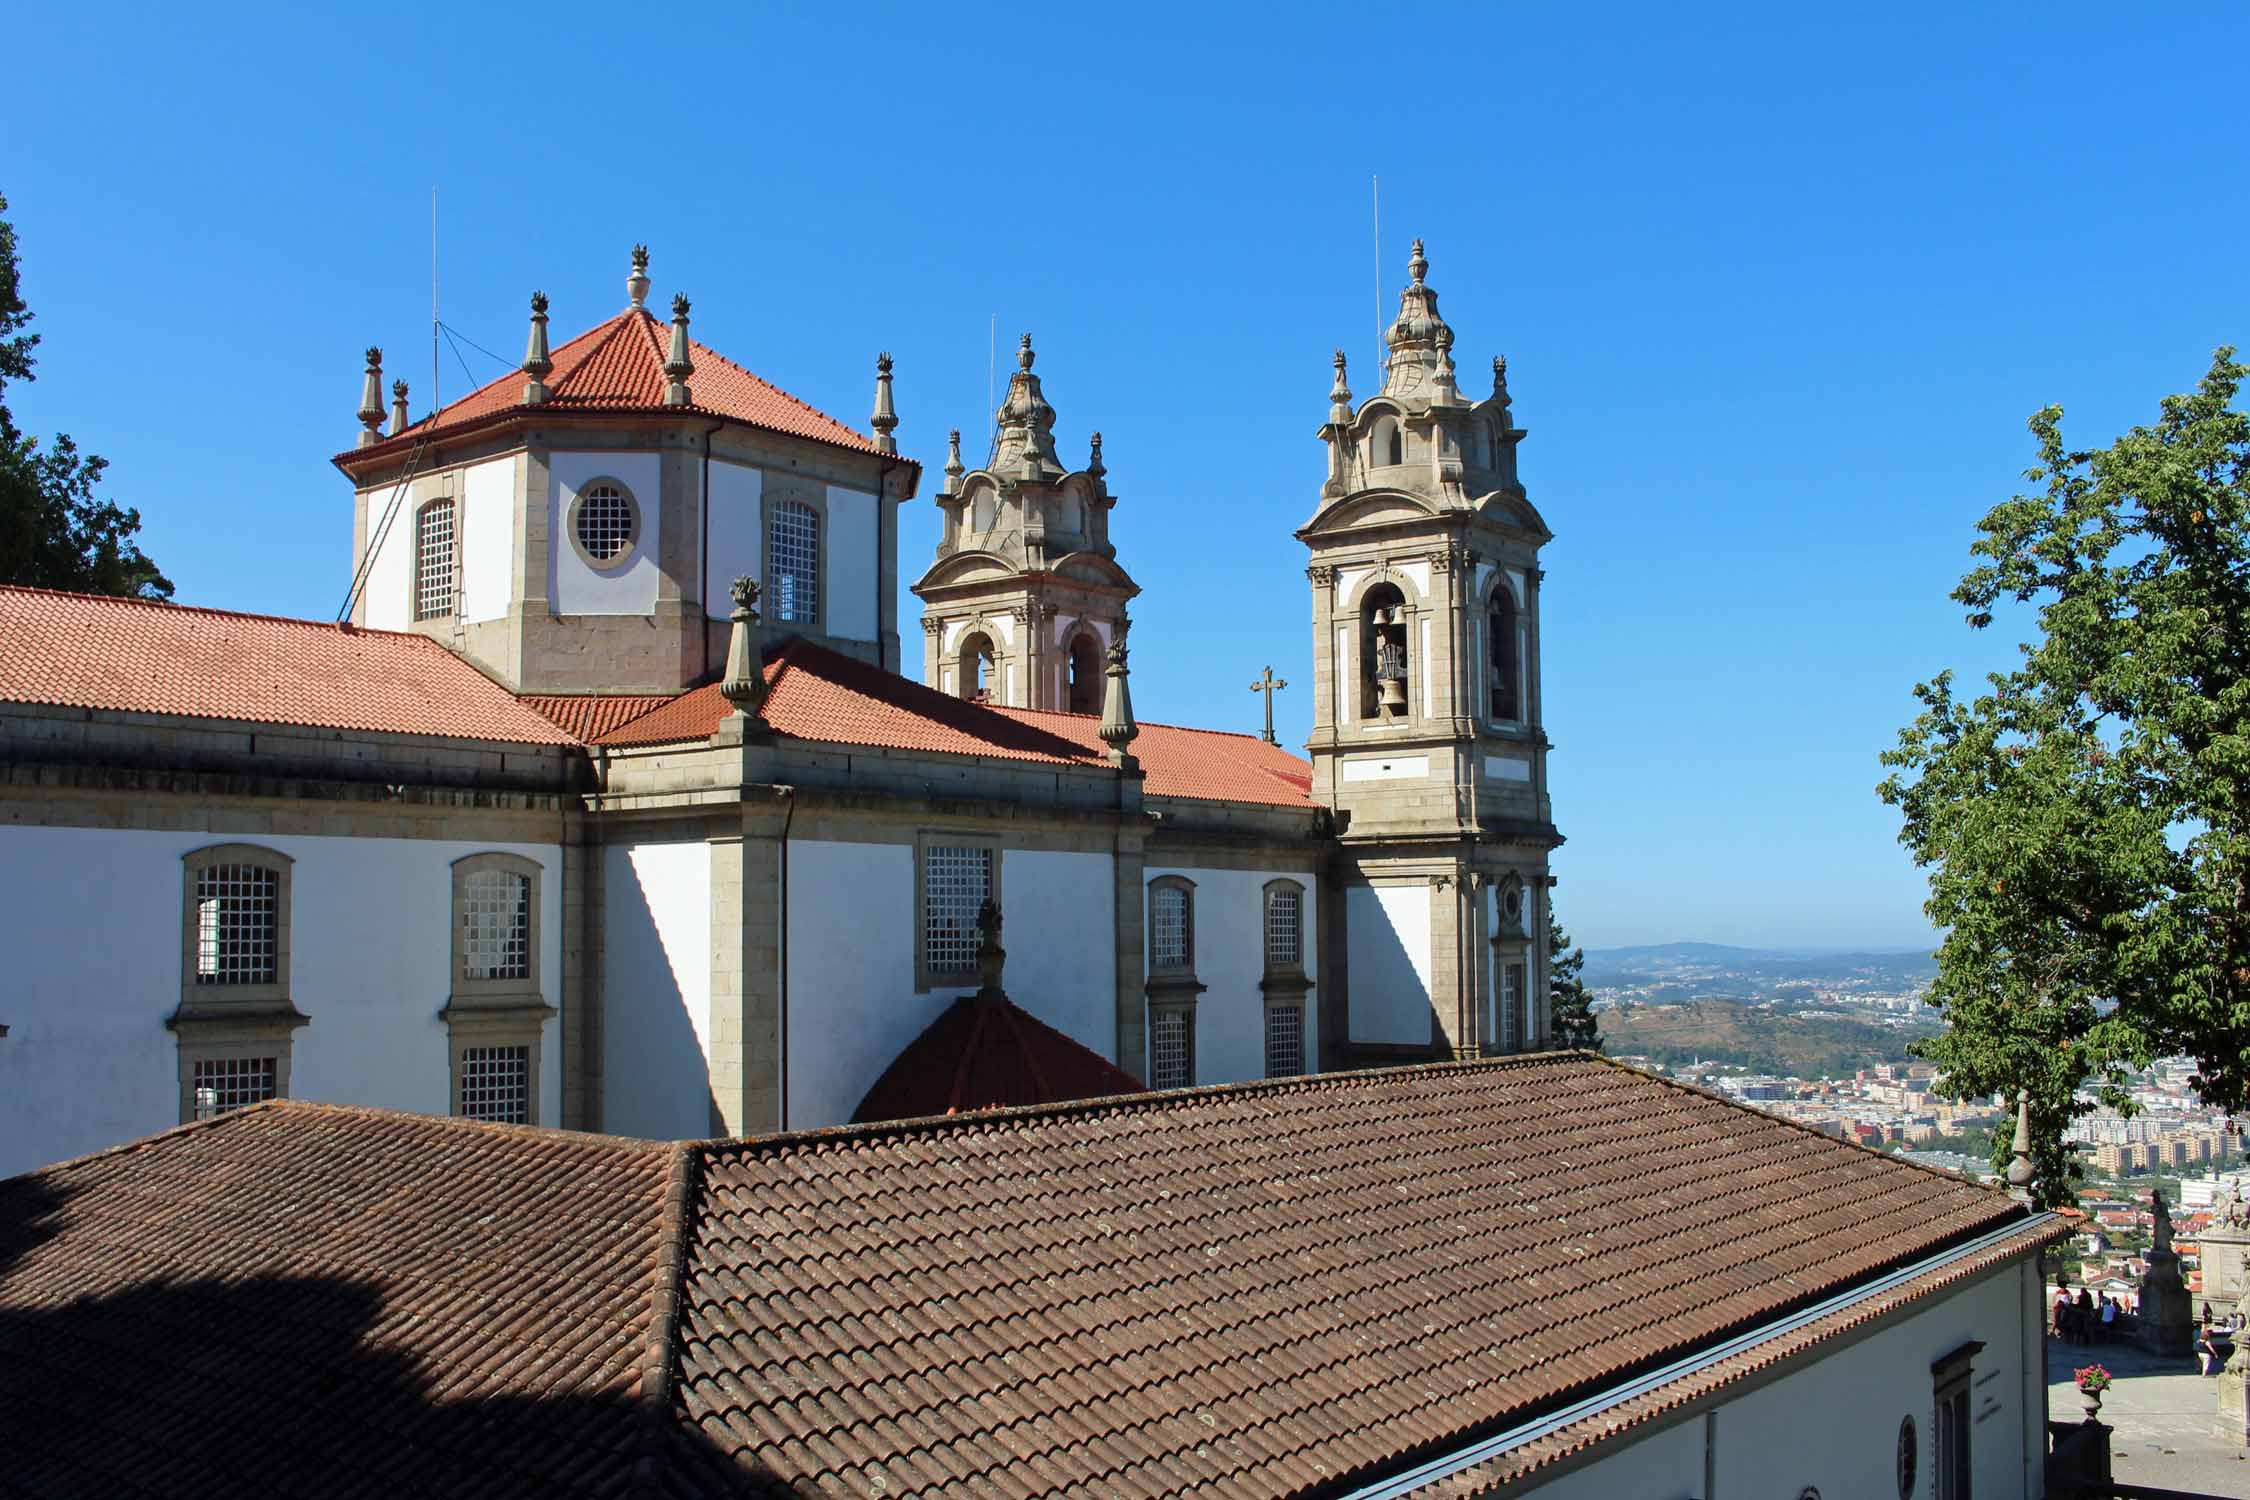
1426,739
1026,597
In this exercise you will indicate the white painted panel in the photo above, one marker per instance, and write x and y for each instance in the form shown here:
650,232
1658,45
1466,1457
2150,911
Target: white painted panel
853,566
628,585
1386,768
488,539
1516,584
1507,768
1388,932
656,989
1061,941
1343,672
92,919
1003,624
737,533
1428,705
1417,573
1348,579
1666,1464
387,594
1230,959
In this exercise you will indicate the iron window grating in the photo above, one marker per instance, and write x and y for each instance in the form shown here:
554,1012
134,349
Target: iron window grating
793,542
1285,1040
1285,929
605,522
955,884
1511,1005
224,1083
237,924
433,561
1169,922
496,926
1171,1050
496,1084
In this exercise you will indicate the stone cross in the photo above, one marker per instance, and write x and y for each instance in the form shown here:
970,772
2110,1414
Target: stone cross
1269,685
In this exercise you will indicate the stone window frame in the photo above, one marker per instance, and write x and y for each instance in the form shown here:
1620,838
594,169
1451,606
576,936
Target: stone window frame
495,1012
1502,587
1184,1012
1414,603
1512,947
1285,984
815,499
626,555
927,979
223,1022
1952,1416
962,679
1097,659
1185,969
417,585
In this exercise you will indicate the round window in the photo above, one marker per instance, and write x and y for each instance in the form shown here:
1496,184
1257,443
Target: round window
1511,903
1909,1454
607,523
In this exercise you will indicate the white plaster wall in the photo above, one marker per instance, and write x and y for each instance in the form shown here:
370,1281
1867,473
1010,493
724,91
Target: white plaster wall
737,532
92,921
1387,928
1230,959
385,601
628,585
1665,1465
852,1005
853,567
656,990
488,539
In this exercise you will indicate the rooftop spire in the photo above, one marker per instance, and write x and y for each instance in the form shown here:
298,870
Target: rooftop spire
636,285
1416,357
2020,1170
953,466
677,366
1117,729
536,364
1094,464
398,409
371,400
744,686
1026,441
1340,394
885,420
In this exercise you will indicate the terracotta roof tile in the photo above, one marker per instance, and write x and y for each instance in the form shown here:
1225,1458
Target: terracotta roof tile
983,1054
589,716
133,656
618,367
817,694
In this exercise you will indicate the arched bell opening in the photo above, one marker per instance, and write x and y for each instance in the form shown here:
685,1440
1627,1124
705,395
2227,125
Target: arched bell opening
1084,688
976,682
1383,654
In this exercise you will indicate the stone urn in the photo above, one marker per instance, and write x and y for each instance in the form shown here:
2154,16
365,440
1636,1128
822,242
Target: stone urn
2092,1401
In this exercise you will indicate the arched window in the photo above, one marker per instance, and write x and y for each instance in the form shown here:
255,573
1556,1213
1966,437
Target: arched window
1286,982
496,1014
1507,667
1085,674
433,560
976,665
1383,654
984,512
1386,444
1285,927
495,925
235,1015
1171,926
793,562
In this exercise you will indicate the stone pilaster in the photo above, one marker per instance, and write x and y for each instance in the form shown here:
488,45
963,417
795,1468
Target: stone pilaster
1130,924
582,990
746,945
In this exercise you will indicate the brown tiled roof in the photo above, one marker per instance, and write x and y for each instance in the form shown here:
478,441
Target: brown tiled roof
617,367
134,656
983,1053
589,716
814,693
1256,1290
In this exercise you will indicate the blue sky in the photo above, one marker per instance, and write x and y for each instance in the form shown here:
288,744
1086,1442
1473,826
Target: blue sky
1777,288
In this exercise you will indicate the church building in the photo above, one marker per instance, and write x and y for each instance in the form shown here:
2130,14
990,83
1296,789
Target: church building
611,801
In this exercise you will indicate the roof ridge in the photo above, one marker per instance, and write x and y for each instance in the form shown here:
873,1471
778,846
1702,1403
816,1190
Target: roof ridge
789,396
338,626
661,1355
1064,713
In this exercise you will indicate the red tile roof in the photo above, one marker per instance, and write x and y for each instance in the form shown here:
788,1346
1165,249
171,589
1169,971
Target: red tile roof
817,694
1263,1289
618,367
589,716
983,1054
133,656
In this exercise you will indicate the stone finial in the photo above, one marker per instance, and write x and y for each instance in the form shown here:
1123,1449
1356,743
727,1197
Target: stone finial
991,957
1500,378
636,285
1117,729
2020,1171
1418,266
678,368
953,467
371,400
885,420
1340,394
1024,356
744,686
398,409
536,364
1442,379
1094,464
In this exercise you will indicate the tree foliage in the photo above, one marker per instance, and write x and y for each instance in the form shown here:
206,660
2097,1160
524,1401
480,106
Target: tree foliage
2086,821
1570,1005
54,531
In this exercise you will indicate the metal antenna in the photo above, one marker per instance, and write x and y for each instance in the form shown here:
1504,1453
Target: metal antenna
991,363
435,364
1377,181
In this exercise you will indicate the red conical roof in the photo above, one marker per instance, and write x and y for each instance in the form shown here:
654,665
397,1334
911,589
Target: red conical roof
987,1054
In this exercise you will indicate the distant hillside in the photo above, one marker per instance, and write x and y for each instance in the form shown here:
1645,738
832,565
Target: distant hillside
1684,971
1766,1041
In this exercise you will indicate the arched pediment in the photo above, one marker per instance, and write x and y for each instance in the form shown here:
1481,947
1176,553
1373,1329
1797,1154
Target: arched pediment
1513,509
1371,508
967,567
1093,568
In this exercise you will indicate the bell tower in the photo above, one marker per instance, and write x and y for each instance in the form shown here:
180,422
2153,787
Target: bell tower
1026,597
1427,743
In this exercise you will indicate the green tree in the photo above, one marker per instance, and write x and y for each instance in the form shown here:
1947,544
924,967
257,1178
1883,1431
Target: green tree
2086,822
1569,1005
54,531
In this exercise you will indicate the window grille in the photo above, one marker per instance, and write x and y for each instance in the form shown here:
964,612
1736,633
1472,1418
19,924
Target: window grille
1171,1050
496,1084
1285,1040
1169,927
1285,929
433,561
237,923
605,522
496,926
1511,1005
955,884
793,554
224,1083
